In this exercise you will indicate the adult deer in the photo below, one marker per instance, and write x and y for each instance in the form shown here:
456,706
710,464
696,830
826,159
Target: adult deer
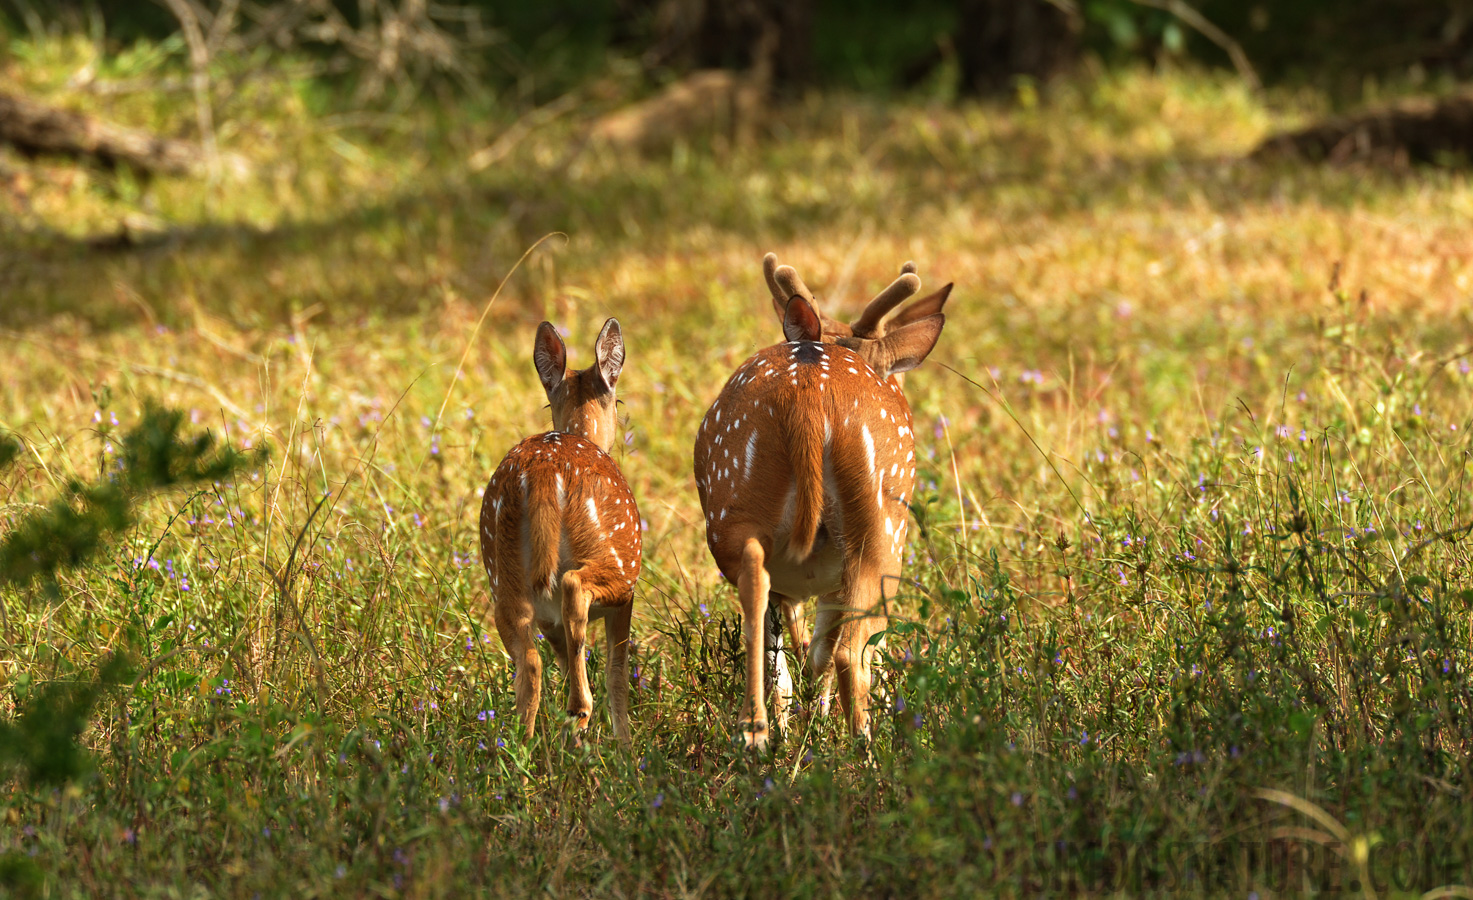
873,323
560,534
804,465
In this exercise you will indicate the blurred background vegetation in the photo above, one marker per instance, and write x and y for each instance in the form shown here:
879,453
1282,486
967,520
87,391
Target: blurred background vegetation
979,46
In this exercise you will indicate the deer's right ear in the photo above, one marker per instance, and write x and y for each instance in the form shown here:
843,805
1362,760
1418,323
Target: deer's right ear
801,322
907,346
609,351
550,357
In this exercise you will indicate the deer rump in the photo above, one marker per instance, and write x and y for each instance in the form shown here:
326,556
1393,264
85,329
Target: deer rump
789,458
556,515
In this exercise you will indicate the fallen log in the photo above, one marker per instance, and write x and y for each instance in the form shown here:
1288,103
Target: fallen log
36,128
1417,131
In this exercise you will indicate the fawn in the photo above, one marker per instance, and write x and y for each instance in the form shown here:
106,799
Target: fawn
560,534
804,465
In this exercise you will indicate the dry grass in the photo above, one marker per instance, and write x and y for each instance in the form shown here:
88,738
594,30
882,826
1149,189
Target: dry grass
1140,334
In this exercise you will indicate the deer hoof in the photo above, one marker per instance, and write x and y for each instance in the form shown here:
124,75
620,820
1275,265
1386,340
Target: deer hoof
754,735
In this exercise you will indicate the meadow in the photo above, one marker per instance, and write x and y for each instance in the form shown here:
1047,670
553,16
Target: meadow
1187,605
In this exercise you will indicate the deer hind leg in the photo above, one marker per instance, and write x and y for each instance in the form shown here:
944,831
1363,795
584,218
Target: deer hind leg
852,652
616,630
556,636
778,678
826,630
753,584
576,601
514,624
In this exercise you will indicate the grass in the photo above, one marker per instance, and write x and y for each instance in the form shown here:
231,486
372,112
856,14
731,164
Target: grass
1189,607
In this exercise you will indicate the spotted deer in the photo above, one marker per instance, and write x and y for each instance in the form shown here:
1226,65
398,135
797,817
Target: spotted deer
873,323
804,465
560,535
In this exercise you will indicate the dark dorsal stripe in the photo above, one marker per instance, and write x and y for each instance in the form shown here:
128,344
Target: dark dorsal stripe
807,352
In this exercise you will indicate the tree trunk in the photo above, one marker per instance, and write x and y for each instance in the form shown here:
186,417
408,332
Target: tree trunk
770,38
999,40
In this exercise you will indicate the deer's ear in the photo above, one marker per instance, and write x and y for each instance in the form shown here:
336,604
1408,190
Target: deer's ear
608,350
550,357
801,322
929,305
907,346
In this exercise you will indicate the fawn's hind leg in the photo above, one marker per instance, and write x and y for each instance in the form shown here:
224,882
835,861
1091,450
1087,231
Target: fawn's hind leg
575,627
514,624
616,630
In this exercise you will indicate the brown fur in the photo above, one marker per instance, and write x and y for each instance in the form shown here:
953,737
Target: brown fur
560,535
805,463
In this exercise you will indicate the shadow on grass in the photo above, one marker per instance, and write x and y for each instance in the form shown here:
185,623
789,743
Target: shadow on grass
398,257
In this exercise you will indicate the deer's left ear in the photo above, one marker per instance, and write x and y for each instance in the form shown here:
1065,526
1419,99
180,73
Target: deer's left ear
550,357
801,322
906,347
608,350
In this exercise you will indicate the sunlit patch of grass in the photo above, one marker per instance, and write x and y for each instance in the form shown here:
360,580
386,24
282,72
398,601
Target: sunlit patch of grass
1187,523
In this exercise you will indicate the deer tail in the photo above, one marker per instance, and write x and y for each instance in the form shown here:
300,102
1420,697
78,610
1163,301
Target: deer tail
806,442
544,533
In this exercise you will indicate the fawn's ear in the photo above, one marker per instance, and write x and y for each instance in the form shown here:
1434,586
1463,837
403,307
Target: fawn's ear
801,322
907,346
550,357
608,350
